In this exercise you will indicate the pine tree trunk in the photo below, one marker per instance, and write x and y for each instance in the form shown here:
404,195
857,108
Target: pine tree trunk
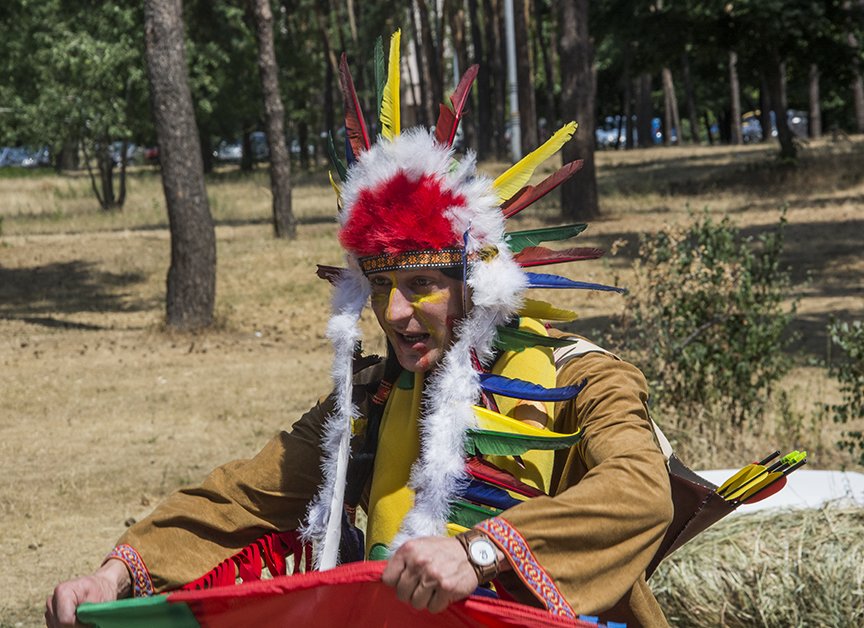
736,137
765,108
815,112
579,194
192,274
494,24
645,112
550,109
671,119
483,119
431,66
525,81
858,96
692,114
774,74
284,225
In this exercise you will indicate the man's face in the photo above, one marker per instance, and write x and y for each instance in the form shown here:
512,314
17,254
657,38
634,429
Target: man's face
417,309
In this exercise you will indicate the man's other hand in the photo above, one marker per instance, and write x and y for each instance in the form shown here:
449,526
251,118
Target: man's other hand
110,582
431,573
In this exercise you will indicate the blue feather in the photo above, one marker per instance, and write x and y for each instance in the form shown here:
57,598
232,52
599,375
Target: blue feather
486,495
545,280
349,152
520,389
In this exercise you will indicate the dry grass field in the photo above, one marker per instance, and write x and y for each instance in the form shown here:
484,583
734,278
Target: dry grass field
103,411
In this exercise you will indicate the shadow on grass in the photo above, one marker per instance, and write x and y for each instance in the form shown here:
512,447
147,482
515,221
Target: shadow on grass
38,294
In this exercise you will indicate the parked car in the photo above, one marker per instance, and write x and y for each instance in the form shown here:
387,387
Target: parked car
38,158
13,156
751,126
228,152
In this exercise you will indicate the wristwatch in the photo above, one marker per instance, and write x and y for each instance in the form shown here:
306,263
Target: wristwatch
481,554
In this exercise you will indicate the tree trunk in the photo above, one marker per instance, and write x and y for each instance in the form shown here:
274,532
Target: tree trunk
692,114
645,114
630,130
483,120
192,275
525,80
579,194
774,74
496,55
708,128
765,108
284,225
815,113
550,110
735,135
206,149
671,119
858,95
457,19
431,67
321,10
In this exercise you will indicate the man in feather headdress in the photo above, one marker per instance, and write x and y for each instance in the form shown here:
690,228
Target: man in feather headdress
485,446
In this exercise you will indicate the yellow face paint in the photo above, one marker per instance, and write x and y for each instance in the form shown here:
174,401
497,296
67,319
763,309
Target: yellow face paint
416,309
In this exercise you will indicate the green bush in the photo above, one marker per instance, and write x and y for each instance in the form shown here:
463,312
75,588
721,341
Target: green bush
707,315
849,370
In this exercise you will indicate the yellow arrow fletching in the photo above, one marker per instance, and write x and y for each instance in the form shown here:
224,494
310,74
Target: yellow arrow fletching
520,173
744,475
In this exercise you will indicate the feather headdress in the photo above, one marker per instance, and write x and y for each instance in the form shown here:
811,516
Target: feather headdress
406,201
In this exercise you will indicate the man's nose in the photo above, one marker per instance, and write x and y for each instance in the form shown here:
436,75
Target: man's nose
399,308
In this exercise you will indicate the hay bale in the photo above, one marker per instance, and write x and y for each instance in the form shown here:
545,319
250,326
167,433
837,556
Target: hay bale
793,568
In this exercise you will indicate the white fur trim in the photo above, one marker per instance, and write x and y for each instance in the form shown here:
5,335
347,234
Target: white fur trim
324,516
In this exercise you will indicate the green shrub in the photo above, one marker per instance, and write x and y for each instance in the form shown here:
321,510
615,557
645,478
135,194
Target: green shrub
706,313
849,370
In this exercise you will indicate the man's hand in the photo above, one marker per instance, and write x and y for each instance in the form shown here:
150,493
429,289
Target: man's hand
110,582
430,573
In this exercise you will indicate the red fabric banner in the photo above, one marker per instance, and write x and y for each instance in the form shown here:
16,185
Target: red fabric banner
349,596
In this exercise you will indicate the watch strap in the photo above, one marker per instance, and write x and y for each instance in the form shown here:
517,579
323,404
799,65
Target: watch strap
485,573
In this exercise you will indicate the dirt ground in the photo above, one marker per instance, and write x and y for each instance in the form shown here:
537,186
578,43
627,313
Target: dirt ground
104,412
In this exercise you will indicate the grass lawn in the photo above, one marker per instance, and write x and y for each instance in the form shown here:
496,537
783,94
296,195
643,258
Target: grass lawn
104,411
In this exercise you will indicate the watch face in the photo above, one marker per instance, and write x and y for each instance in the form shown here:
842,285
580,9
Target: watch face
482,552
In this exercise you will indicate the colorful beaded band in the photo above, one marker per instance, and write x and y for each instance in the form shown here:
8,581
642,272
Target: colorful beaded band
142,585
443,258
526,565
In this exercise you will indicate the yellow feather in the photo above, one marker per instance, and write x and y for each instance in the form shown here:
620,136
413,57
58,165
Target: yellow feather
519,174
390,122
541,309
336,189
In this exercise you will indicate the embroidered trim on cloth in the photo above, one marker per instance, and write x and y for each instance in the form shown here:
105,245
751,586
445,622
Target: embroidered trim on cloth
142,585
529,570
445,258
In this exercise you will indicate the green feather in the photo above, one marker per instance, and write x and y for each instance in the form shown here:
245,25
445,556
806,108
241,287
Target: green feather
380,72
491,443
510,339
518,240
469,515
341,169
